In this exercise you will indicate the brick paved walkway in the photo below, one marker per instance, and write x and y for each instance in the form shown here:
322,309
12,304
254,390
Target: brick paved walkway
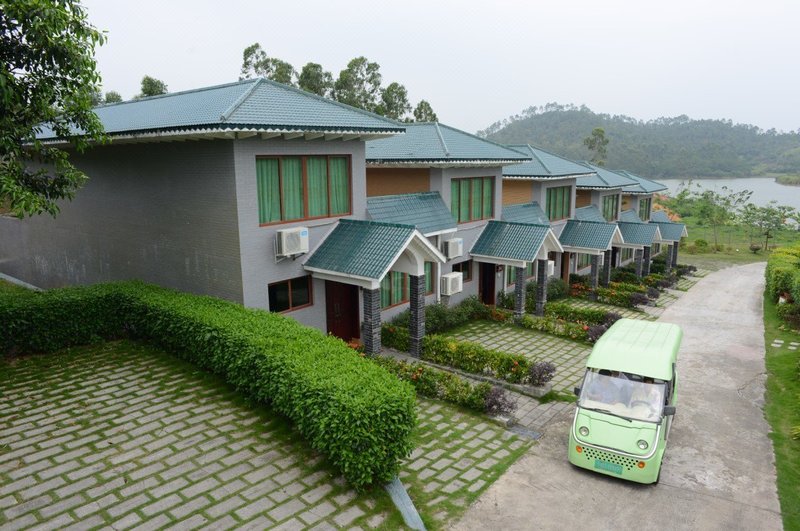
122,436
568,356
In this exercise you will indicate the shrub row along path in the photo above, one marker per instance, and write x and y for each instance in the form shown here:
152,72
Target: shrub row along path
719,468
123,436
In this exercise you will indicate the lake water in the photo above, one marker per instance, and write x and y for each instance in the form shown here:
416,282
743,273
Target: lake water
764,189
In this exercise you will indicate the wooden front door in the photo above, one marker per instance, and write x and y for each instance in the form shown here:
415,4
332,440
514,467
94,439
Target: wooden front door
486,279
341,307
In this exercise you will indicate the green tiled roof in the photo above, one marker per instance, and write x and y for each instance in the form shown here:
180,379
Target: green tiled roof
543,165
361,248
638,233
426,210
659,216
603,178
525,213
435,143
630,216
514,241
588,234
589,213
670,231
252,104
642,186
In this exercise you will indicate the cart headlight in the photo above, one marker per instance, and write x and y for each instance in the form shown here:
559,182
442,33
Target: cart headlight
642,444
583,430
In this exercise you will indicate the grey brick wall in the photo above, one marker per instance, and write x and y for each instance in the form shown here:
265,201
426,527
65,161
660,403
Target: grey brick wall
160,212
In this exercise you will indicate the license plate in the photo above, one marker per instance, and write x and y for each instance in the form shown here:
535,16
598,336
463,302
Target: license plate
608,467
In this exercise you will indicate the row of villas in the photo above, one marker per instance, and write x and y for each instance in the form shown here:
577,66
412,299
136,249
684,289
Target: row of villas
268,196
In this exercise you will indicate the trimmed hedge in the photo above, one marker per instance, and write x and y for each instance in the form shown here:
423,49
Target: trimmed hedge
587,316
783,273
556,327
474,358
357,414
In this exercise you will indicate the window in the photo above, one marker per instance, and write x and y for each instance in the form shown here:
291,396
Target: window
610,207
298,188
644,208
472,199
584,260
394,289
428,278
465,268
656,249
558,202
511,273
625,254
290,294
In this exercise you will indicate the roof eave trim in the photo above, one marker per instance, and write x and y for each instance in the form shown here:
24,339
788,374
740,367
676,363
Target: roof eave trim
499,260
428,163
545,177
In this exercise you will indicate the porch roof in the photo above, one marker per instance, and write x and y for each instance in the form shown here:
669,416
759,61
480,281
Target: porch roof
660,216
525,213
642,186
589,213
427,211
638,234
543,165
630,216
590,237
671,232
514,244
362,252
602,179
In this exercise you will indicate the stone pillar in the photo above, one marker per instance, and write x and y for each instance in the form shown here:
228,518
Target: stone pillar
594,275
605,277
371,327
675,254
416,327
519,292
541,285
637,260
646,261
668,259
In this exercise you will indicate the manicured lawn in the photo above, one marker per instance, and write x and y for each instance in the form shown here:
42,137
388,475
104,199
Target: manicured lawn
120,433
783,412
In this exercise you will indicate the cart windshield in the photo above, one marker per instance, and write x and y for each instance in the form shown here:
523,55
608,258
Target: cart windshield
629,396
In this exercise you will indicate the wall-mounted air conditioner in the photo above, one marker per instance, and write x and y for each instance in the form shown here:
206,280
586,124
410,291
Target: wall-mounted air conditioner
454,248
452,283
289,242
551,268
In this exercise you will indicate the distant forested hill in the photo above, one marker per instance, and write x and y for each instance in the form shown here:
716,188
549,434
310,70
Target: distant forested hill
664,147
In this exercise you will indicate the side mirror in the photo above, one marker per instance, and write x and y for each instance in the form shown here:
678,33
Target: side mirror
577,391
669,410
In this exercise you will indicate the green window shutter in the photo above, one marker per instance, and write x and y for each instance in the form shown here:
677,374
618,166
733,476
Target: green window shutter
386,290
511,274
292,188
530,269
340,186
428,277
269,190
488,195
463,200
454,199
397,287
477,202
317,171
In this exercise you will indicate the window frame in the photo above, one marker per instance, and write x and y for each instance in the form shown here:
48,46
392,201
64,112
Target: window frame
615,198
553,208
530,272
466,272
649,202
288,282
468,182
304,176
578,261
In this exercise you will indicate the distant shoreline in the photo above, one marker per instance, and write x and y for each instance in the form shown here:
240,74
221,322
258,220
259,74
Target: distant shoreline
789,180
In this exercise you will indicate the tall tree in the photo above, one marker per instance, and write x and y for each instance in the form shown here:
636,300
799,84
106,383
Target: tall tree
315,79
765,220
359,84
718,208
112,96
152,87
423,112
597,142
394,102
47,80
256,63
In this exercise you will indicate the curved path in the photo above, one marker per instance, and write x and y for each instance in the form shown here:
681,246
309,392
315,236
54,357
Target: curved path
719,468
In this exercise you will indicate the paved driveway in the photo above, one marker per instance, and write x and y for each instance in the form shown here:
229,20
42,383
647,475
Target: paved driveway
719,467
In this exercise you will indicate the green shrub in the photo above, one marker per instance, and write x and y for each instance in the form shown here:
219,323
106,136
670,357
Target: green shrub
783,273
555,327
357,414
567,312
701,245
436,383
557,289
440,318
395,336
474,358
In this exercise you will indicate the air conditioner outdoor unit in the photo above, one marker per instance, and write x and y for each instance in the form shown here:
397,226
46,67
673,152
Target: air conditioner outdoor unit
551,268
289,242
452,283
454,248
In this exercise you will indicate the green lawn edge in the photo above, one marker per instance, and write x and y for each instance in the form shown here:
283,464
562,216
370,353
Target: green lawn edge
782,410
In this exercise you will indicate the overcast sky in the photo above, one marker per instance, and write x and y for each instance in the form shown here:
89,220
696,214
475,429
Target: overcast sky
477,62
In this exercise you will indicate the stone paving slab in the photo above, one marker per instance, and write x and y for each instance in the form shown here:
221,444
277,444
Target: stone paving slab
120,436
568,356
